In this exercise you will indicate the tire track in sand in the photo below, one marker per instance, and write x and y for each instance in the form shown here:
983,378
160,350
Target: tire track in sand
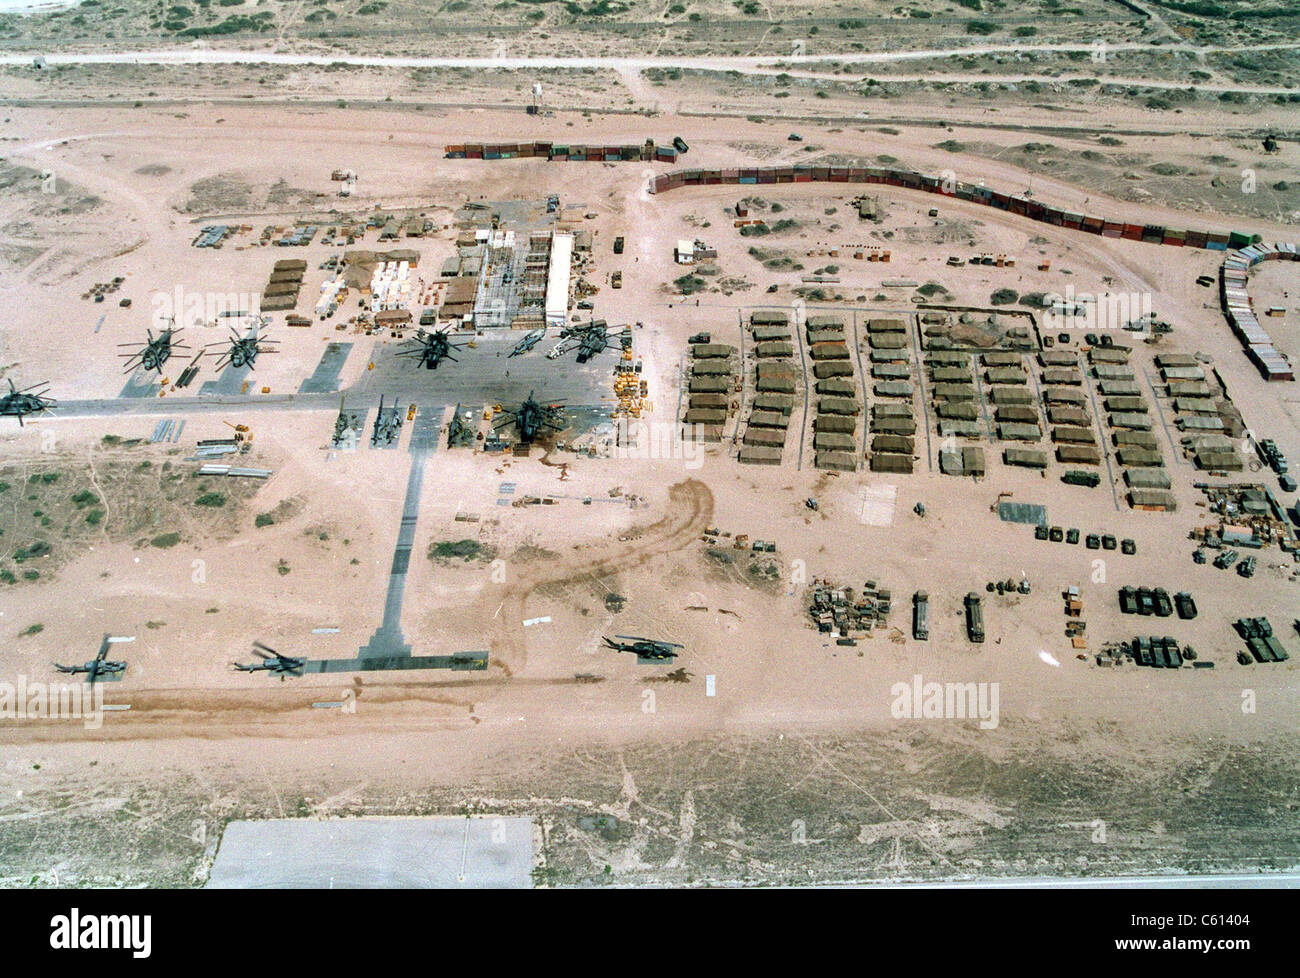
690,507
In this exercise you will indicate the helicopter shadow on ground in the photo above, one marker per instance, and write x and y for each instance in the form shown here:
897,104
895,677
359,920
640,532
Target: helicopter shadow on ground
229,381
141,383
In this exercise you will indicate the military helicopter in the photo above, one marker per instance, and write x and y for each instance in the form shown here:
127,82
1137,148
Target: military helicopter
596,339
100,665
459,432
432,348
644,648
29,400
532,418
528,342
156,352
242,351
275,662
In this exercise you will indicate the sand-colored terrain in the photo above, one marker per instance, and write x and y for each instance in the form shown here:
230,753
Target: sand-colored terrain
795,769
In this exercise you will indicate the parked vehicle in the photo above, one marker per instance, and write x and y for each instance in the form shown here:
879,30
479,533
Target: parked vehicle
1164,607
974,617
1226,559
920,616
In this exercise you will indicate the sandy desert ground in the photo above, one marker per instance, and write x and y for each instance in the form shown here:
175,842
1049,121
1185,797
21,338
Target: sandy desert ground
794,769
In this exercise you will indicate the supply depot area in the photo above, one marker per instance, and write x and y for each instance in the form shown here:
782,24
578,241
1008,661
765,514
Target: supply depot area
437,475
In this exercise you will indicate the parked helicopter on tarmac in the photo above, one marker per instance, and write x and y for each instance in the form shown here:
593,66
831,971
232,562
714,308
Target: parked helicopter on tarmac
29,400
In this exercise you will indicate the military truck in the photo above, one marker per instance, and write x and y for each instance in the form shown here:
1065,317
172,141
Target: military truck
974,617
1077,477
1226,559
920,616
1164,608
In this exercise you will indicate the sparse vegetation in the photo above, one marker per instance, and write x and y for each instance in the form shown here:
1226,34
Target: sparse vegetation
466,550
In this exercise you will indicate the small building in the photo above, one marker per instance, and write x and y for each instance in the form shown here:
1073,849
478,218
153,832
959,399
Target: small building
685,252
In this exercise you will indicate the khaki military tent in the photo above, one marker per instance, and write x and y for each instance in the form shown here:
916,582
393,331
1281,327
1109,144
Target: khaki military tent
837,405
1062,375
709,351
769,419
1131,419
705,416
1017,412
836,461
836,387
828,351
764,436
901,464
1073,436
760,455
900,444
950,375
1147,478
1026,457
1136,439
1007,375
1078,454
709,385
774,402
1010,395
831,441
1013,431
832,368
1064,395
1156,499
960,410
836,423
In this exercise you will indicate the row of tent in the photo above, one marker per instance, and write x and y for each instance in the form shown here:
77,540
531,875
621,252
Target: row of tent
893,425
709,402
835,424
775,381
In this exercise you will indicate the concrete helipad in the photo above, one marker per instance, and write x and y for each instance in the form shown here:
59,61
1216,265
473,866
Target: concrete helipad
374,853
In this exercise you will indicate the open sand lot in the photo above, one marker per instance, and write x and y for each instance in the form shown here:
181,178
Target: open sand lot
766,752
